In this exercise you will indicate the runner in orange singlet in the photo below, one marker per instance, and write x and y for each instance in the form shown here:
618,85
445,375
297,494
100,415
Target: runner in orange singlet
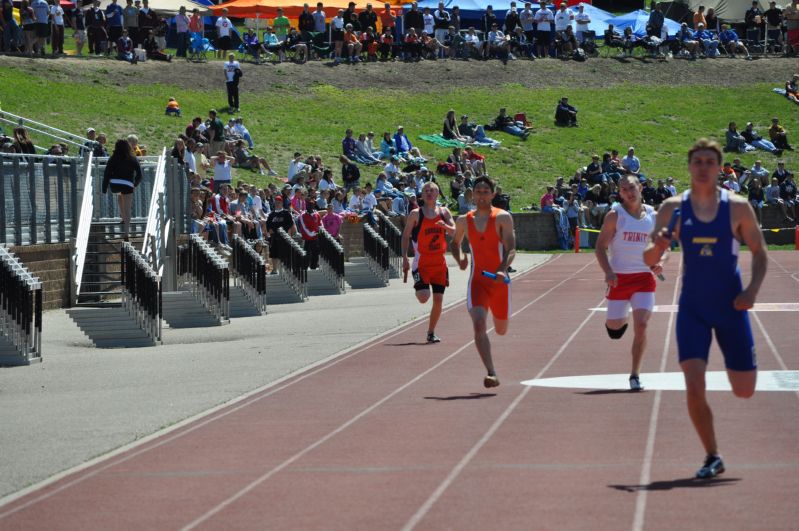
493,245
427,227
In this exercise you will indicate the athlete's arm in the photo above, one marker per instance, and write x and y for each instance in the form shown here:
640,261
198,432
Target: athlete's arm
457,241
749,232
659,242
448,223
508,236
602,243
410,223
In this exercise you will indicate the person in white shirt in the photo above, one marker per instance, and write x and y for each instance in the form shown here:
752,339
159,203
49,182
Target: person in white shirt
232,82
295,166
543,19
442,19
57,37
472,41
670,186
563,19
429,22
732,184
222,170
581,19
499,44
223,26
391,170
370,145
240,130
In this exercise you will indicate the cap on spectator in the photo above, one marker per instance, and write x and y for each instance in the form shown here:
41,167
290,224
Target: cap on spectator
279,197
670,179
424,168
563,4
775,119
399,127
700,25
90,130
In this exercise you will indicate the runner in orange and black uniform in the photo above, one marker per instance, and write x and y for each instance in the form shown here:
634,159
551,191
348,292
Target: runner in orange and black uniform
427,227
493,245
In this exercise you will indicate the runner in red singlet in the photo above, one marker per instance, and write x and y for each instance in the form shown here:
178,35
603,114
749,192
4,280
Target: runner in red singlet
427,228
493,246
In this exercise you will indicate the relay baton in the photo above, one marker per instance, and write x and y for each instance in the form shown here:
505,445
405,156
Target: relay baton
675,215
493,276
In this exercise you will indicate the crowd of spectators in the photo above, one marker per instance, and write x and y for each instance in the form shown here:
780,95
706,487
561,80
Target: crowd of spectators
533,31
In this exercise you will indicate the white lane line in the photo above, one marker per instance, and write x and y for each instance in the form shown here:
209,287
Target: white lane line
649,452
242,400
208,415
238,495
771,344
455,472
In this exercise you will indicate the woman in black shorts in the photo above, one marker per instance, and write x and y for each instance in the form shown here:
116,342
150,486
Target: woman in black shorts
122,175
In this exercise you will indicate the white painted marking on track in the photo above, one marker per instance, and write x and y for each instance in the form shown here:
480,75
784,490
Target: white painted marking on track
669,381
759,307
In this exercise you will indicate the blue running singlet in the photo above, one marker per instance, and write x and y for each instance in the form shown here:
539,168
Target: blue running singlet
711,281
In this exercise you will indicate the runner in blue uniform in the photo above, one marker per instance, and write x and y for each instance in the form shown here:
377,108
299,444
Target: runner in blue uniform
711,226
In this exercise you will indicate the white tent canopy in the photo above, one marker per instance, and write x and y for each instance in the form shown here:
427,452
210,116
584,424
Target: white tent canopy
162,7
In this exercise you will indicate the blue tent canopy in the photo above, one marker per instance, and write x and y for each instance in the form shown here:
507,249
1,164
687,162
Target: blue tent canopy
637,21
599,18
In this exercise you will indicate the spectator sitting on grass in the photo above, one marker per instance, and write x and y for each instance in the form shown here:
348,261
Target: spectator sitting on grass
753,138
610,169
472,130
383,186
756,199
125,48
240,130
326,182
295,166
760,172
736,143
154,51
632,165
788,194
506,123
246,160
778,135
348,146
401,143
451,131
774,198
239,208
172,108
350,174
474,161
363,154
466,202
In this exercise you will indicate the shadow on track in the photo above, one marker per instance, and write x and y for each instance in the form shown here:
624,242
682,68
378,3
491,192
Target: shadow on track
683,483
607,392
409,343
472,396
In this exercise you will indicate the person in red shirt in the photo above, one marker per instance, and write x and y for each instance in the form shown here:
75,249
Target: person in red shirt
309,223
427,227
493,245
352,44
387,44
477,161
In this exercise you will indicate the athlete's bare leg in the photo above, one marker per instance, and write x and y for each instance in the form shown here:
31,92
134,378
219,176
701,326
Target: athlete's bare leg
698,408
422,295
479,318
640,323
615,324
742,382
435,312
501,326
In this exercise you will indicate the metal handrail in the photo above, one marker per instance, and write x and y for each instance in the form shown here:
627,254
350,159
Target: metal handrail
81,242
293,262
44,129
393,236
158,221
208,277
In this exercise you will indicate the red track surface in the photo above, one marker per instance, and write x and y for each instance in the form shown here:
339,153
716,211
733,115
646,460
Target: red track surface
400,435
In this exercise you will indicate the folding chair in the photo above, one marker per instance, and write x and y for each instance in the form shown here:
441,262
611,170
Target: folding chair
589,43
198,47
522,117
317,44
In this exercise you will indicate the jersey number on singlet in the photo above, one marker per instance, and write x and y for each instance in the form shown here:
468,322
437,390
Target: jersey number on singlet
434,242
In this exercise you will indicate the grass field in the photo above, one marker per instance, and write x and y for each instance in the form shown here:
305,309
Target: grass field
660,121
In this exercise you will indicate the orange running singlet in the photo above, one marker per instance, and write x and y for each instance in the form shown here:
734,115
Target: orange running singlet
487,251
429,249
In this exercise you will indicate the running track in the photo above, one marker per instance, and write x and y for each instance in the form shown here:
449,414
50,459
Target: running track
400,435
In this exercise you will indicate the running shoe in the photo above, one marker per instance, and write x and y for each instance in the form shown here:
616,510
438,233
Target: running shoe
635,384
713,467
491,381
433,338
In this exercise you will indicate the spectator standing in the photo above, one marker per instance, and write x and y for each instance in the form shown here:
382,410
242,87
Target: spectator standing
182,28
699,16
543,21
753,18
527,21
122,175
790,15
654,26
232,70
130,21
441,22
512,20
319,18
563,19
309,223
367,18
281,25
41,11
196,23
305,21
388,20
148,20
223,28
414,19
115,19
582,20
12,39
57,34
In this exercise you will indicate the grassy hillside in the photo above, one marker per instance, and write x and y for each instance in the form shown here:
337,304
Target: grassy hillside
660,121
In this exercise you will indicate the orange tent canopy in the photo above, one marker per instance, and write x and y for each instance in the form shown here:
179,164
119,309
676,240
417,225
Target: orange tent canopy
293,8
